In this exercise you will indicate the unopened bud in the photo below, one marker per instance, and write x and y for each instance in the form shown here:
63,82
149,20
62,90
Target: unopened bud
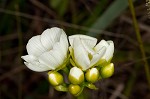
92,75
74,89
76,75
55,78
107,71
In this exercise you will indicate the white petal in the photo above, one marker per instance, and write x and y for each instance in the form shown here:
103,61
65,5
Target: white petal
64,39
100,45
34,46
58,56
88,48
36,67
53,59
109,51
80,54
29,58
90,41
59,48
63,43
76,72
98,56
50,36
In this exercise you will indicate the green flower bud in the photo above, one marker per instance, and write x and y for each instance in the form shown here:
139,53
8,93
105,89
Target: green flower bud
92,75
55,78
74,89
76,75
107,71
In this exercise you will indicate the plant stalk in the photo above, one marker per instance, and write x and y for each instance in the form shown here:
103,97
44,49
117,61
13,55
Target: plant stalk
138,35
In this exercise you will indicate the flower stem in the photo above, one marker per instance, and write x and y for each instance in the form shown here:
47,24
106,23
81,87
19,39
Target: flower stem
66,70
138,35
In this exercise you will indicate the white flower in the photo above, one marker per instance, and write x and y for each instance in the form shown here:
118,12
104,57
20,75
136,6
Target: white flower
47,51
85,53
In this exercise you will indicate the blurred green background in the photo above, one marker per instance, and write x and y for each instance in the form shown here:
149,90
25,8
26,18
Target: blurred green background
103,19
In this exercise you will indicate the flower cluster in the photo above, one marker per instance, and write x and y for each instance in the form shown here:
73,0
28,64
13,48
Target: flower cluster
84,62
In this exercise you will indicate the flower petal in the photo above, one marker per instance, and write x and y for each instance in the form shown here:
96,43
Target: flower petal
98,56
63,43
34,46
90,41
53,59
36,67
58,54
100,45
50,36
88,48
29,58
60,49
109,51
80,54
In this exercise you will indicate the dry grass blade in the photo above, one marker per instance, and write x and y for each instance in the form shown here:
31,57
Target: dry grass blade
43,7
94,31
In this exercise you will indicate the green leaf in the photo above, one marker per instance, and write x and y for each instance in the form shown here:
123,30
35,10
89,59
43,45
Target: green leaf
115,9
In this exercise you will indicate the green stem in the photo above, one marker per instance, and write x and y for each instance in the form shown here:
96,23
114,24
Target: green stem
66,70
81,94
139,40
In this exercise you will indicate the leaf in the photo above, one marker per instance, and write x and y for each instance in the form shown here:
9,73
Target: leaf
113,11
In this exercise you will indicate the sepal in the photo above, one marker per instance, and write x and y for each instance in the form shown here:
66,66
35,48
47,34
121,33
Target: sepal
91,86
61,88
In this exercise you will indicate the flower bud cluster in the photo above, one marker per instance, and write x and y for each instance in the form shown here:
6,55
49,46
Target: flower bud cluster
84,61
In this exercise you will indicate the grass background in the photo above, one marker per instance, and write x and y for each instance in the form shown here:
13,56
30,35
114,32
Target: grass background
103,19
